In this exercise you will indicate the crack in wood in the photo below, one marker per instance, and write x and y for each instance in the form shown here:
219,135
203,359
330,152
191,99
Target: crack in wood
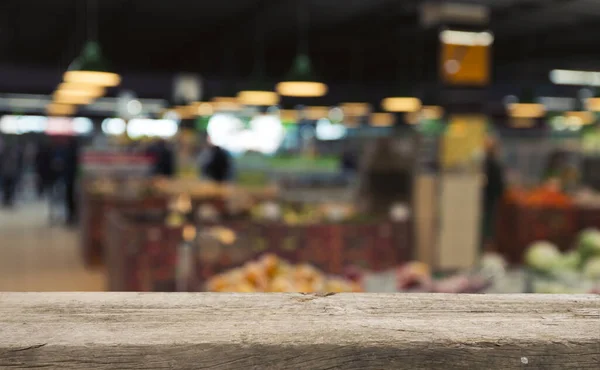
27,348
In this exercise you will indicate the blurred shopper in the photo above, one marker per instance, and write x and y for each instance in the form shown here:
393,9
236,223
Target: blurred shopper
71,163
215,163
164,159
349,162
385,175
10,170
561,168
44,169
493,190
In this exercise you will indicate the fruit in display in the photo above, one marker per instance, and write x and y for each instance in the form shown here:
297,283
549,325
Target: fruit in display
271,274
207,212
493,264
414,275
547,195
591,270
542,256
224,235
569,261
589,244
175,219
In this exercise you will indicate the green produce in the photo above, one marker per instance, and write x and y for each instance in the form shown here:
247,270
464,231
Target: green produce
589,244
592,268
551,288
542,256
569,261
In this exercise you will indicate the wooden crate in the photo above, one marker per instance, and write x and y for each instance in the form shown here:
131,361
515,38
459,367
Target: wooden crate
144,256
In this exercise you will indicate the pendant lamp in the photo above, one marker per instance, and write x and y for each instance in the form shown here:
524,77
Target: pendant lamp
356,108
401,104
404,101
301,82
90,68
58,109
382,119
525,106
259,94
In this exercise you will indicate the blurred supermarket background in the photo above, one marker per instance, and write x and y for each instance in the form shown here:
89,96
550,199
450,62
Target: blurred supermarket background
300,145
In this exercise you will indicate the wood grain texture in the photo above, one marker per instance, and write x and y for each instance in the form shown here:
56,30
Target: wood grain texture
295,331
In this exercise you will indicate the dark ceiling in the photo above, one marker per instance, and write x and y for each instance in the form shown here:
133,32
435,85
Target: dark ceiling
349,40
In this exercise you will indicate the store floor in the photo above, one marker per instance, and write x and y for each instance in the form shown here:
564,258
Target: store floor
35,256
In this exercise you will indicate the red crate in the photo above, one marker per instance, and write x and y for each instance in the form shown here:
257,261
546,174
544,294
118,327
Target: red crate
519,226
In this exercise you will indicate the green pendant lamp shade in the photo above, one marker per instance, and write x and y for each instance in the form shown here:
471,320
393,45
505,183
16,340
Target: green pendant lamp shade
301,82
91,68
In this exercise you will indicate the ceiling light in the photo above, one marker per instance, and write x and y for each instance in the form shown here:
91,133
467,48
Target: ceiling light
106,79
56,109
71,99
593,104
382,119
288,115
225,104
85,89
301,89
432,112
184,111
412,118
224,99
203,109
90,68
301,82
466,38
258,98
572,77
398,104
315,113
356,109
529,110
583,116
88,93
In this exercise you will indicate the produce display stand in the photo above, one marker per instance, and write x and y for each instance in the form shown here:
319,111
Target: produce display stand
375,245
520,225
94,209
299,331
143,253
95,206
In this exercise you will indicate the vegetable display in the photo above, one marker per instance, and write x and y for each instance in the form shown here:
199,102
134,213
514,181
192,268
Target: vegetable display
576,271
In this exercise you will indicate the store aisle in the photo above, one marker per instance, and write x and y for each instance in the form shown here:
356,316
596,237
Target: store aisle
37,257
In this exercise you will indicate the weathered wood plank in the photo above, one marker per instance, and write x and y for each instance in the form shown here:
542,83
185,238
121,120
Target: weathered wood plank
294,331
